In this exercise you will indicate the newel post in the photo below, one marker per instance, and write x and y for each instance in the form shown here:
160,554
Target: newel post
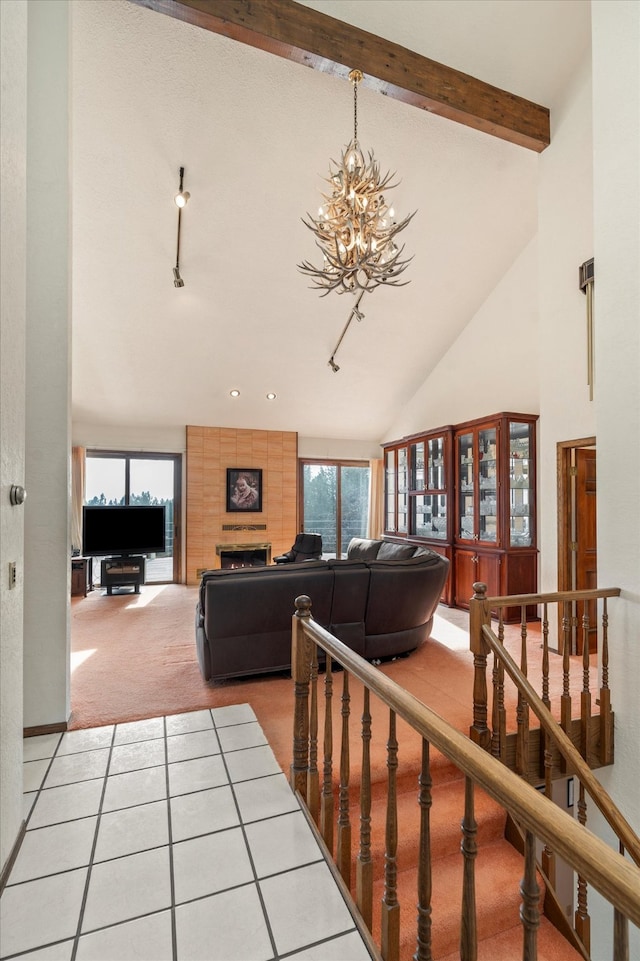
479,615
301,673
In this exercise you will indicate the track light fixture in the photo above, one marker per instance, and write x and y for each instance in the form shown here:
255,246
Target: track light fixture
180,199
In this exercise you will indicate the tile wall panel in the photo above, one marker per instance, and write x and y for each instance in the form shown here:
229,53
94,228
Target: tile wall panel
210,451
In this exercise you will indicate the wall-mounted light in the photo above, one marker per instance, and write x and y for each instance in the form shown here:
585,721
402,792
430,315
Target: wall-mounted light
180,199
587,278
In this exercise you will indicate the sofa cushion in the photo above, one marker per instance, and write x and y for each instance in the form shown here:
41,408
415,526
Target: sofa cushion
277,570
349,603
395,552
247,615
363,549
403,595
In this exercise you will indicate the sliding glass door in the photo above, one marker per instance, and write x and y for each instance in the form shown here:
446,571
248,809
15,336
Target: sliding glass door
153,479
335,502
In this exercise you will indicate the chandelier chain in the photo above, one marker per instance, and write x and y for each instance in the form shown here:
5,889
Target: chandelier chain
355,110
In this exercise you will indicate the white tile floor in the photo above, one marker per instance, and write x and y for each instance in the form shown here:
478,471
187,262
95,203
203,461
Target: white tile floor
173,839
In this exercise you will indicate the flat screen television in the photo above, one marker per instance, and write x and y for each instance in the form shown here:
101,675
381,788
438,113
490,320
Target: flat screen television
122,530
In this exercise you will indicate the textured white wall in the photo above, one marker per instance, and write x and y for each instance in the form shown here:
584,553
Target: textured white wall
616,148
47,531
13,67
168,440
565,215
326,447
492,366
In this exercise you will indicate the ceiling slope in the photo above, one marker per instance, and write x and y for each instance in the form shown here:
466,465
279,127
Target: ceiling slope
255,133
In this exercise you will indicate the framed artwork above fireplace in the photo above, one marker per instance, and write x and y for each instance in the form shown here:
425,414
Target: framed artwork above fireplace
244,489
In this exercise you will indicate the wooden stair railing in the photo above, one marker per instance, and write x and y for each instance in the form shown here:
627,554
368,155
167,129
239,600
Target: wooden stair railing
593,734
608,871
569,739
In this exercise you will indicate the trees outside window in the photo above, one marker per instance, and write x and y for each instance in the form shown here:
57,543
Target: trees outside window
335,502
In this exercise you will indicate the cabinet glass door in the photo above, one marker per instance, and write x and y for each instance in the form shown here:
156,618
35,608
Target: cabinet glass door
520,484
466,491
432,508
417,467
390,489
403,490
488,485
436,478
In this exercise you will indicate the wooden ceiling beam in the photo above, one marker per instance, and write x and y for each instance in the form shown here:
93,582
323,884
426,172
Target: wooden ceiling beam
305,36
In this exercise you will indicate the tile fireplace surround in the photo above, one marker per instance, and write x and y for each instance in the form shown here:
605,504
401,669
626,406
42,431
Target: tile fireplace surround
211,451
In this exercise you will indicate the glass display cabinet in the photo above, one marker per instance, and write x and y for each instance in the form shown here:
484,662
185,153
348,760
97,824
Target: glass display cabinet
495,493
418,475
468,492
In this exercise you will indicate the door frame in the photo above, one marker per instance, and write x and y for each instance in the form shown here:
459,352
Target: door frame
565,451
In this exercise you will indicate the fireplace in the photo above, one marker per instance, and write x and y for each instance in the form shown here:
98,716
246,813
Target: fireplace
243,555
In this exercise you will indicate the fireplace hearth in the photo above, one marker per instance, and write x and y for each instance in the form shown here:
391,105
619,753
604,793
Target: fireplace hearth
243,555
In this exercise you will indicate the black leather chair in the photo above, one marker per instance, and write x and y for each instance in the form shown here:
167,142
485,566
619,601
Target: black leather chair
307,547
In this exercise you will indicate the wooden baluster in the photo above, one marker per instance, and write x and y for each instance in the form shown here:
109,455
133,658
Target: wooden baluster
585,694
548,856
545,657
425,888
582,921
502,711
498,717
478,616
469,848
620,929
326,801
565,700
390,931
606,718
344,823
364,863
313,783
522,710
545,742
530,892
300,671
495,710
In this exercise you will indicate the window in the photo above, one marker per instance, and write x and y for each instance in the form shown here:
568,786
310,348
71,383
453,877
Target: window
154,479
335,502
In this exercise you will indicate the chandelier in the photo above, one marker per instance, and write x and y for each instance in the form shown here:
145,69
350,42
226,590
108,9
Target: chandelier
355,228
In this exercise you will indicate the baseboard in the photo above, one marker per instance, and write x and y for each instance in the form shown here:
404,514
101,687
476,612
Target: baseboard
59,728
6,871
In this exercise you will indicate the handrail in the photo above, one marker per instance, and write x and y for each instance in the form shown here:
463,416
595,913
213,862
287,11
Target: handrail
529,600
608,808
615,878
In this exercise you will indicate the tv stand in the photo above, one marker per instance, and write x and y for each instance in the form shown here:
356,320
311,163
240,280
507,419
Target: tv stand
122,572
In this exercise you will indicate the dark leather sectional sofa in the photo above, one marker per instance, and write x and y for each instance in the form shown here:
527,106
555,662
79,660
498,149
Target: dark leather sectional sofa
380,601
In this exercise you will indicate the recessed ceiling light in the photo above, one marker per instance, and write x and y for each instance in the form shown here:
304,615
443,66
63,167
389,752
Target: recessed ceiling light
271,396
234,392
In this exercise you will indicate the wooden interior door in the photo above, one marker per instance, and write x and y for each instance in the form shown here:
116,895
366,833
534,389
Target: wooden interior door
586,554
577,545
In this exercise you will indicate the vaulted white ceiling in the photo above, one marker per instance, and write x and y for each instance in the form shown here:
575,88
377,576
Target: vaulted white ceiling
255,134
